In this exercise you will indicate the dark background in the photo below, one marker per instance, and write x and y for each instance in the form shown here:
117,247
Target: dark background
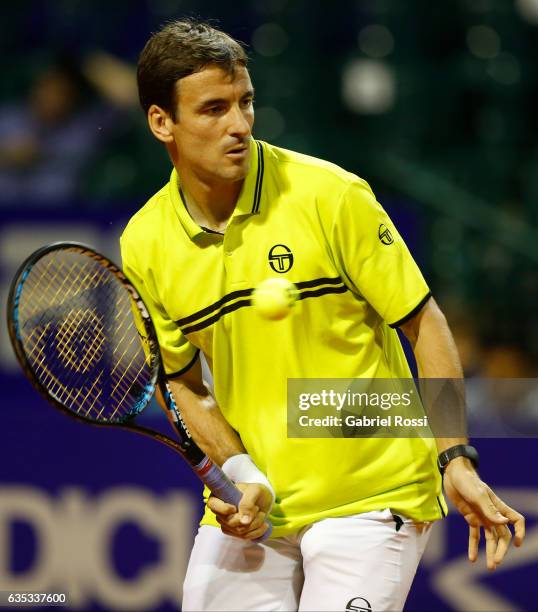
434,104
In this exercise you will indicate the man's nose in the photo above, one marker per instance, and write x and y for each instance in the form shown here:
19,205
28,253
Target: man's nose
240,125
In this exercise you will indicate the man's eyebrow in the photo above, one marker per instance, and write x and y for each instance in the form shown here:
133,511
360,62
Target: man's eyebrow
215,101
210,102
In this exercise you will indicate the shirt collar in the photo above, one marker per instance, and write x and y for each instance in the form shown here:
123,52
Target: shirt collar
249,199
251,192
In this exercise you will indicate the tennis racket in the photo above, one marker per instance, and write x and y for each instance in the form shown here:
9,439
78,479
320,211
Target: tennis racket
85,340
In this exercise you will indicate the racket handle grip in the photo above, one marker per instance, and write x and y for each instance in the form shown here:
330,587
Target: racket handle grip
222,487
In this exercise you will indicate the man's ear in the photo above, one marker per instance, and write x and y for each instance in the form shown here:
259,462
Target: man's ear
160,123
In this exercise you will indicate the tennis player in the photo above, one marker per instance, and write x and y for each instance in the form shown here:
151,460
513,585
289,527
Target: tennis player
351,517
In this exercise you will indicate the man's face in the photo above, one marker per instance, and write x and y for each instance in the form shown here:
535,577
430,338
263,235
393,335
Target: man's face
214,118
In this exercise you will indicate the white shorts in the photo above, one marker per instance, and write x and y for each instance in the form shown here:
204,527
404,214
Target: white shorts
355,564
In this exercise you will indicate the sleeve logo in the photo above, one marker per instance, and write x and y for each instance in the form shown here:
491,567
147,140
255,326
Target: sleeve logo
384,235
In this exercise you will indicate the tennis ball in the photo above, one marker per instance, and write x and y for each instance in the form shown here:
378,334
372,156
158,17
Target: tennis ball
274,298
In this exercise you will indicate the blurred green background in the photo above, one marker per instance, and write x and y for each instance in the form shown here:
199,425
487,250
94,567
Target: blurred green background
435,104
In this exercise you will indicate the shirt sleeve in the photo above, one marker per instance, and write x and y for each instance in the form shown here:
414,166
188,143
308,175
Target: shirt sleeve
372,257
177,353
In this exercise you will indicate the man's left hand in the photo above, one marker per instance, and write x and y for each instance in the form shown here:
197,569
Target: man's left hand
481,508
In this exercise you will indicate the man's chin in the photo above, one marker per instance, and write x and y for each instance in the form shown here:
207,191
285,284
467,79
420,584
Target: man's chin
234,172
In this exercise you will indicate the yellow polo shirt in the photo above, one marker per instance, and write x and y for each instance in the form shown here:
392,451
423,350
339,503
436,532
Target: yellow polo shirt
320,227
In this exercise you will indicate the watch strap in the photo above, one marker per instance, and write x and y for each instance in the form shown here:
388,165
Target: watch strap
460,450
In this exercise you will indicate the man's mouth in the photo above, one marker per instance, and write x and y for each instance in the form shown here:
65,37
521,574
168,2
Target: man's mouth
239,150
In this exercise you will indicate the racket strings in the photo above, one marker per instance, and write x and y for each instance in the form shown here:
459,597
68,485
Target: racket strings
78,333
126,375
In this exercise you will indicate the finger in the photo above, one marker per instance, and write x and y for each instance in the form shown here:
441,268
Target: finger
218,506
256,533
257,521
229,532
519,528
491,547
490,512
517,519
245,532
248,514
504,536
247,507
474,540
235,529
493,508
231,521
234,523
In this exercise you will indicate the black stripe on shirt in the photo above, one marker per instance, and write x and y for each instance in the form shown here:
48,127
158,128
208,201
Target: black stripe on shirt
216,317
210,231
323,291
212,307
186,368
319,281
201,319
259,179
415,311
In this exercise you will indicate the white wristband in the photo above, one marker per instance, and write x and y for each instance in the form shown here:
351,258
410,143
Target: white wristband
241,468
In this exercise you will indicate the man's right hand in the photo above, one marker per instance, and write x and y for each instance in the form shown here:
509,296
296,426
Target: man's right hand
247,520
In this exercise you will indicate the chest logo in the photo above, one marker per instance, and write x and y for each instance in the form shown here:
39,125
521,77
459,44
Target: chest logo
384,235
280,258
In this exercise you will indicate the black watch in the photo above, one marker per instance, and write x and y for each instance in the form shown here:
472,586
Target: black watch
460,450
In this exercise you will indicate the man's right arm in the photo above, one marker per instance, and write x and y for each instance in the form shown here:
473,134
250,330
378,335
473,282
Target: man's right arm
214,435
199,409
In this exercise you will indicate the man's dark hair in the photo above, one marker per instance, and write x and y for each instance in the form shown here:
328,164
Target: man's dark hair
179,49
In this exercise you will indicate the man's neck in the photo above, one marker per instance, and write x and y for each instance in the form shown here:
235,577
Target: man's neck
210,206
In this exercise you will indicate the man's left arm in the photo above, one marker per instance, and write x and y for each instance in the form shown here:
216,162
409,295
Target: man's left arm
437,357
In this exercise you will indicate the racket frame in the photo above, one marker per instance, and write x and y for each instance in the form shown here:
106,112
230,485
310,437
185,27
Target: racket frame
156,365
